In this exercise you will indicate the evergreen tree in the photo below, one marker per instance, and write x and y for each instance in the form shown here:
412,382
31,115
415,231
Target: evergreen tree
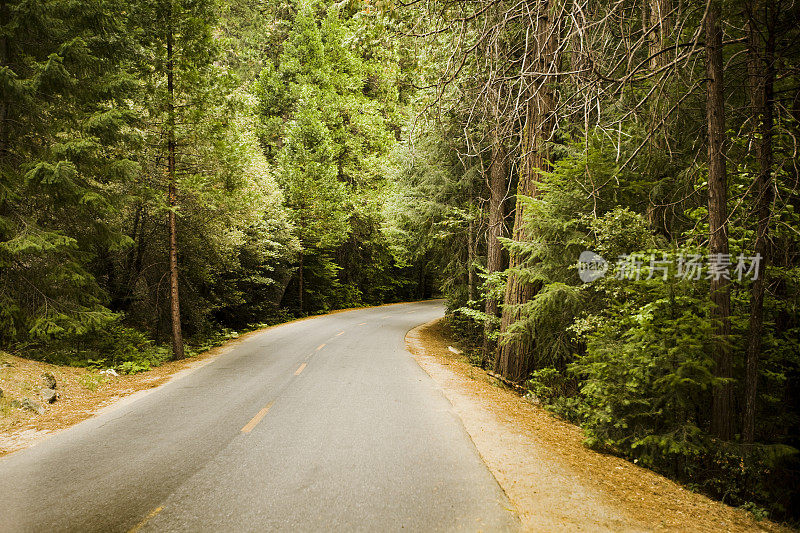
65,164
330,111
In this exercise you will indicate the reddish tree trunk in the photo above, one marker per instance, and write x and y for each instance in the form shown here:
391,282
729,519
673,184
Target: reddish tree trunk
175,306
498,176
300,287
761,77
513,360
471,260
718,214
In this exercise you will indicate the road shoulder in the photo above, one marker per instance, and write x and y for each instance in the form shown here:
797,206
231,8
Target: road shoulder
82,393
556,483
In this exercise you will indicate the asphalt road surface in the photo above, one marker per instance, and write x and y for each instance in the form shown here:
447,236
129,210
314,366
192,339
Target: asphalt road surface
325,424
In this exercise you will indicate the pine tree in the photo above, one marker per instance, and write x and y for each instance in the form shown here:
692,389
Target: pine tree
329,103
718,217
513,357
180,38
63,131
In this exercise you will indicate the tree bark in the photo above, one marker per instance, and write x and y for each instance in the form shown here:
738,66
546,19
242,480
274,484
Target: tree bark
513,360
721,425
498,173
471,260
661,23
175,306
282,286
761,80
4,104
497,184
300,287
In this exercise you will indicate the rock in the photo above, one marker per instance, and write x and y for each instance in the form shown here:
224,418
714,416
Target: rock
29,405
454,350
49,380
531,397
109,372
1,393
48,395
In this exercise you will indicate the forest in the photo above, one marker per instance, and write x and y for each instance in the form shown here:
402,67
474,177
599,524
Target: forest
606,194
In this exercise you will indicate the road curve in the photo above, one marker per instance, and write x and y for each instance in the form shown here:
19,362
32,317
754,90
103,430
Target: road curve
324,424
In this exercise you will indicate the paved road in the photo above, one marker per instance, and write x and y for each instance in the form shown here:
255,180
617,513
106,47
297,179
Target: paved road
325,424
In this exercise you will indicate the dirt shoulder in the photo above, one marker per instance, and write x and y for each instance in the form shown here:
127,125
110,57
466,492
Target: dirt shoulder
82,393
555,482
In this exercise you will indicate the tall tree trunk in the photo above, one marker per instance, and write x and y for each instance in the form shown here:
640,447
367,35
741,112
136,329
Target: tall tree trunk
513,360
497,184
4,104
721,425
498,173
471,259
761,80
175,306
133,264
300,287
661,23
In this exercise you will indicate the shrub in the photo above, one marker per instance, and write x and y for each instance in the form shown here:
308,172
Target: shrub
646,382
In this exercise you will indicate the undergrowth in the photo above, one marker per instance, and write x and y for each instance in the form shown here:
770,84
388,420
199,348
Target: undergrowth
127,350
624,399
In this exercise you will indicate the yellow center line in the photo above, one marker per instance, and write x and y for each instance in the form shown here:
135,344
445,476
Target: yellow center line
297,372
147,518
340,333
321,346
256,419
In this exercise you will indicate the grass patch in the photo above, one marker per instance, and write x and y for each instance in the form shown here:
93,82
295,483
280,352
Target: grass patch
5,408
93,381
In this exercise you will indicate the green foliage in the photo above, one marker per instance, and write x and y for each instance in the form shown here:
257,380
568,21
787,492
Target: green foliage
759,513
429,210
467,327
82,234
629,358
646,379
62,147
626,177
311,175
546,318
131,367
555,389
283,113
328,111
